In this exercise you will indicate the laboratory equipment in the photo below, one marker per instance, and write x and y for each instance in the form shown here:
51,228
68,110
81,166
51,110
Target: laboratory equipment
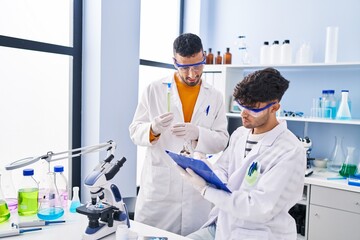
9,191
307,145
168,97
106,202
286,52
61,184
37,223
331,44
210,57
330,103
15,230
242,46
265,53
28,194
343,113
50,208
349,167
227,56
337,156
275,53
75,202
4,210
218,58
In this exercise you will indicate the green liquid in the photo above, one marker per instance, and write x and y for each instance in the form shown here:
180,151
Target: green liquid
4,211
28,201
348,170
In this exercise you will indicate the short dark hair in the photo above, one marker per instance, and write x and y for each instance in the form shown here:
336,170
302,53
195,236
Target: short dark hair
261,86
187,44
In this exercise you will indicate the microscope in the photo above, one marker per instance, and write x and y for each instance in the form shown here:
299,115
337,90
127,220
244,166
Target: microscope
307,145
106,210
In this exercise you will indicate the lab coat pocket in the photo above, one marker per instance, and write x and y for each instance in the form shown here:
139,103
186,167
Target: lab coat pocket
246,234
253,175
157,183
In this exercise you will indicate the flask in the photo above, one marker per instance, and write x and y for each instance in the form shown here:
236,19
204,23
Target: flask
8,190
286,53
331,44
4,210
61,184
275,53
28,194
75,202
265,53
343,112
210,57
218,59
227,56
337,156
50,208
349,167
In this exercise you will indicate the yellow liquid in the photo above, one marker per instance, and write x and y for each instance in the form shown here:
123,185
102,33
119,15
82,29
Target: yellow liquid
4,211
28,201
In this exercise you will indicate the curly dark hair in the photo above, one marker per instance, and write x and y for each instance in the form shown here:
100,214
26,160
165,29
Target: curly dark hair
187,44
261,86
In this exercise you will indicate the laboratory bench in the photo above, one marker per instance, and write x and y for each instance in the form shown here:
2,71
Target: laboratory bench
332,207
75,226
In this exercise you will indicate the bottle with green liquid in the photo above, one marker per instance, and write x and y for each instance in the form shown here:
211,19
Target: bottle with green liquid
4,210
28,194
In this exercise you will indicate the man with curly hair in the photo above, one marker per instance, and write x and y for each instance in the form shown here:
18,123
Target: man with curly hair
263,167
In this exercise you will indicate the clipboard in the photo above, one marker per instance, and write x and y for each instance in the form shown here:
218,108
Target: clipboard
200,168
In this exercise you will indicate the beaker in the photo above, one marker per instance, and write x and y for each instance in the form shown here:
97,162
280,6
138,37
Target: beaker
349,167
4,210
337,156
51,207
8,190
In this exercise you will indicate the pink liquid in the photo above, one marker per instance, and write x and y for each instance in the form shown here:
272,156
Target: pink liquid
12,203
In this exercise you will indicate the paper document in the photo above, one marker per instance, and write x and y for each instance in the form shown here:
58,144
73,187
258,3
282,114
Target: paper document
200,168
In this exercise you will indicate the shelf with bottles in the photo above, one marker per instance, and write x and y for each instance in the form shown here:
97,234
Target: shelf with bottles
308,119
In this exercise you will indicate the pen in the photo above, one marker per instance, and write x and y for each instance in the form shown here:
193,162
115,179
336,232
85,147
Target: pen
36,223
168,96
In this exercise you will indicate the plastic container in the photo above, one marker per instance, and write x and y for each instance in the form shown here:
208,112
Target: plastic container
330,103
331,44
337,157
51,208
227,56
286,53
28,194
265,54
4,210
218,58
343,113
275,53
75,202
62,184
210,57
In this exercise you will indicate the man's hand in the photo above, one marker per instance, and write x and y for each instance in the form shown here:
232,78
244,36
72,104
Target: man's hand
161,123
186,130
195,180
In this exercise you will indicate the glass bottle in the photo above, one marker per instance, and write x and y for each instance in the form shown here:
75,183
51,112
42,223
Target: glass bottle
75,202
28,194
218,59
62,185
330,103
210,57
343,113
50,208
337,156
4,210
349,167
227,56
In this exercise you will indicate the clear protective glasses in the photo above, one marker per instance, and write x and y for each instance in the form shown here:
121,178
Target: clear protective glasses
185,68
255,112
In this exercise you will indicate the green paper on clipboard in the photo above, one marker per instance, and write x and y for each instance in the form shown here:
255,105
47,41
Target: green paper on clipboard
200,168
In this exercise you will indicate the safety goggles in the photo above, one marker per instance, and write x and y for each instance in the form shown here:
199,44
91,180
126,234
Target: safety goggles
185,68
255,112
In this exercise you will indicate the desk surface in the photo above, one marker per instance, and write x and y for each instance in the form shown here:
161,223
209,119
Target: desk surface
75,226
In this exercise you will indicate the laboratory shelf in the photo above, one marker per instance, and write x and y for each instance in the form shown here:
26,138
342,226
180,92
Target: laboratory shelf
308,119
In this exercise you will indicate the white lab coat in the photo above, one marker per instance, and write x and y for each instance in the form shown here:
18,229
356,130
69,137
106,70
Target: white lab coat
165,200
259,211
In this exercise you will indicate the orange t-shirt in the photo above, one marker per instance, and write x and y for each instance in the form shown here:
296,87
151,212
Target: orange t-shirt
188,96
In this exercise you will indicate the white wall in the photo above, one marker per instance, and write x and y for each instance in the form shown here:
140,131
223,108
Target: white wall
110,84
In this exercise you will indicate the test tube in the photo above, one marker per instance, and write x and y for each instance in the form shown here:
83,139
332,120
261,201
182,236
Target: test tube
168,96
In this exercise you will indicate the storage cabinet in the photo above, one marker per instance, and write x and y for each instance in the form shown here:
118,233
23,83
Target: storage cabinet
334,214
306,84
